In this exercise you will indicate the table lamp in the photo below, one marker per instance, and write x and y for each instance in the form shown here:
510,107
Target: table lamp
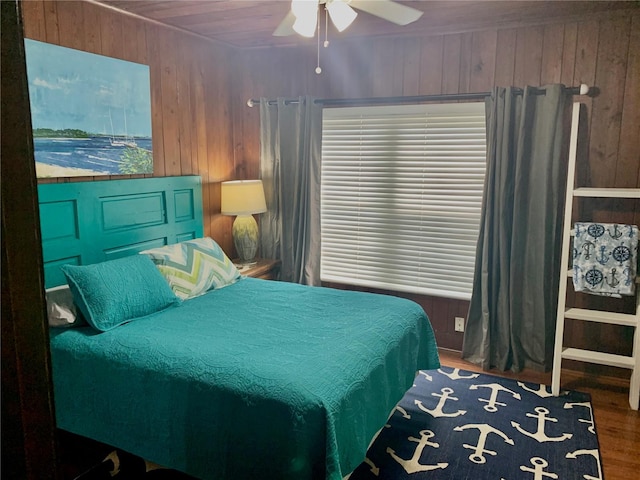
243,198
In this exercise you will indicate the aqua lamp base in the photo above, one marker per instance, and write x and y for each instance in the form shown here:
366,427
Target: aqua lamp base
245,238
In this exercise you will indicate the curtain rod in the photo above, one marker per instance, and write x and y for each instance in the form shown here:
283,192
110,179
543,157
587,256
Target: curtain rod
583,89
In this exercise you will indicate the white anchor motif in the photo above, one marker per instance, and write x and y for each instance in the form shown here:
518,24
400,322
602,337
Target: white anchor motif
375,470
492,401
539,435
455,374
413,465
438,412
402,411
594,454
426,375
539,464
484,429
541,392
587,405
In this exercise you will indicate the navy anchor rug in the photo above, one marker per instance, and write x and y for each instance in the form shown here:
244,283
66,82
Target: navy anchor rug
453,424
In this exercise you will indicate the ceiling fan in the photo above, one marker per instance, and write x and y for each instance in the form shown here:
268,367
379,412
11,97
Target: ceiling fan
303,16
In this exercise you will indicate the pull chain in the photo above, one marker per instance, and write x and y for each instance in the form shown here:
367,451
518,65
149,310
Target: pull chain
318,69
326,27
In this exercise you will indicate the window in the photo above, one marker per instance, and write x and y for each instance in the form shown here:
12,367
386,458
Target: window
401,196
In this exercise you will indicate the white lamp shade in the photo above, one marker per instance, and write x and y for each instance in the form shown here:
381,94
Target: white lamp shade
243,197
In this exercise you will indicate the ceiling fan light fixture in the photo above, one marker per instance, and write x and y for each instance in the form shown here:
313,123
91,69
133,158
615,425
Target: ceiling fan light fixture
306,26
306,13
342,15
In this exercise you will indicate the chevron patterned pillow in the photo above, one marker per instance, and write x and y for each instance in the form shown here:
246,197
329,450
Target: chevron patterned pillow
194,267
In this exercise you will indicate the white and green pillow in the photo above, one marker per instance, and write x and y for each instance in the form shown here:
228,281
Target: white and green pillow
194,267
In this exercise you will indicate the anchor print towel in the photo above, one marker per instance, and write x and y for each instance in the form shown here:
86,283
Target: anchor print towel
605,258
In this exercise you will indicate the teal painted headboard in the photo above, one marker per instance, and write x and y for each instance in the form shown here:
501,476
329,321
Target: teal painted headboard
89,222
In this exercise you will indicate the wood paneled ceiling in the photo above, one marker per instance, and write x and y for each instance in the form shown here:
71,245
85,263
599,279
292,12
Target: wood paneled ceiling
250,23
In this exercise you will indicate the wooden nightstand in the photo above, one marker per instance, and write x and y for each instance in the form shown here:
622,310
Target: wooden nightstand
265,268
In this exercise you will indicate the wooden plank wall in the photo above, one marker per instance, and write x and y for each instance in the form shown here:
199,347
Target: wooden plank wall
190,91
602,51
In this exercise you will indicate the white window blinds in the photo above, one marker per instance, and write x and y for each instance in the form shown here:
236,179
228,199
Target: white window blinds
401,196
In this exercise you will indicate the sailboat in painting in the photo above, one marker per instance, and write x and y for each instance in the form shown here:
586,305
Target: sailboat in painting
123,141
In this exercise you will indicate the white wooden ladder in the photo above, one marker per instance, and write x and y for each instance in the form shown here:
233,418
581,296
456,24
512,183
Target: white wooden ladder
631,320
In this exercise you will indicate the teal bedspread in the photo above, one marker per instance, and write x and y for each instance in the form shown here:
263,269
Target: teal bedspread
260,379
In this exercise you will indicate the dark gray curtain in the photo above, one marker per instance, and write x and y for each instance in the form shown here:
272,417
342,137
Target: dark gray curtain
511,322
290,156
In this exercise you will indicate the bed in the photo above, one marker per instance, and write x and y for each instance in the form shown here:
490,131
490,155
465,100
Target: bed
259,379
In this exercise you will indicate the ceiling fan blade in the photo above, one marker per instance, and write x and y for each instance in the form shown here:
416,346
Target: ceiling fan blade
286,26
388,10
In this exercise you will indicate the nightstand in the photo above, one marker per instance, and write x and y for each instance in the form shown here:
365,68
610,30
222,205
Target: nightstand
264,268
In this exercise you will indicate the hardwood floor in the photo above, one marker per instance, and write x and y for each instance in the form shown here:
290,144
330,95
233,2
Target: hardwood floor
617,425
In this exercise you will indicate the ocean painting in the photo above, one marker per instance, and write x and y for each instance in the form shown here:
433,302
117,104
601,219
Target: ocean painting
91,114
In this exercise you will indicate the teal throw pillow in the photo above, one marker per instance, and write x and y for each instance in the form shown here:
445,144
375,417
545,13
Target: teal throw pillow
111,293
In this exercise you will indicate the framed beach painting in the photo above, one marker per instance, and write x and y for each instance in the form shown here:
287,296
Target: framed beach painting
91,114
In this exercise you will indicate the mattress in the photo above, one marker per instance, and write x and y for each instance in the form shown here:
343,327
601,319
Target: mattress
259,379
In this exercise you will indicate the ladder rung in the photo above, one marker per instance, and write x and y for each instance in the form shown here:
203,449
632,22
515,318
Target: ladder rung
598,357
601,317
607,192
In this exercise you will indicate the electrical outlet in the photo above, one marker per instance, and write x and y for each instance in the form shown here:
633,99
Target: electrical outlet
459,325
